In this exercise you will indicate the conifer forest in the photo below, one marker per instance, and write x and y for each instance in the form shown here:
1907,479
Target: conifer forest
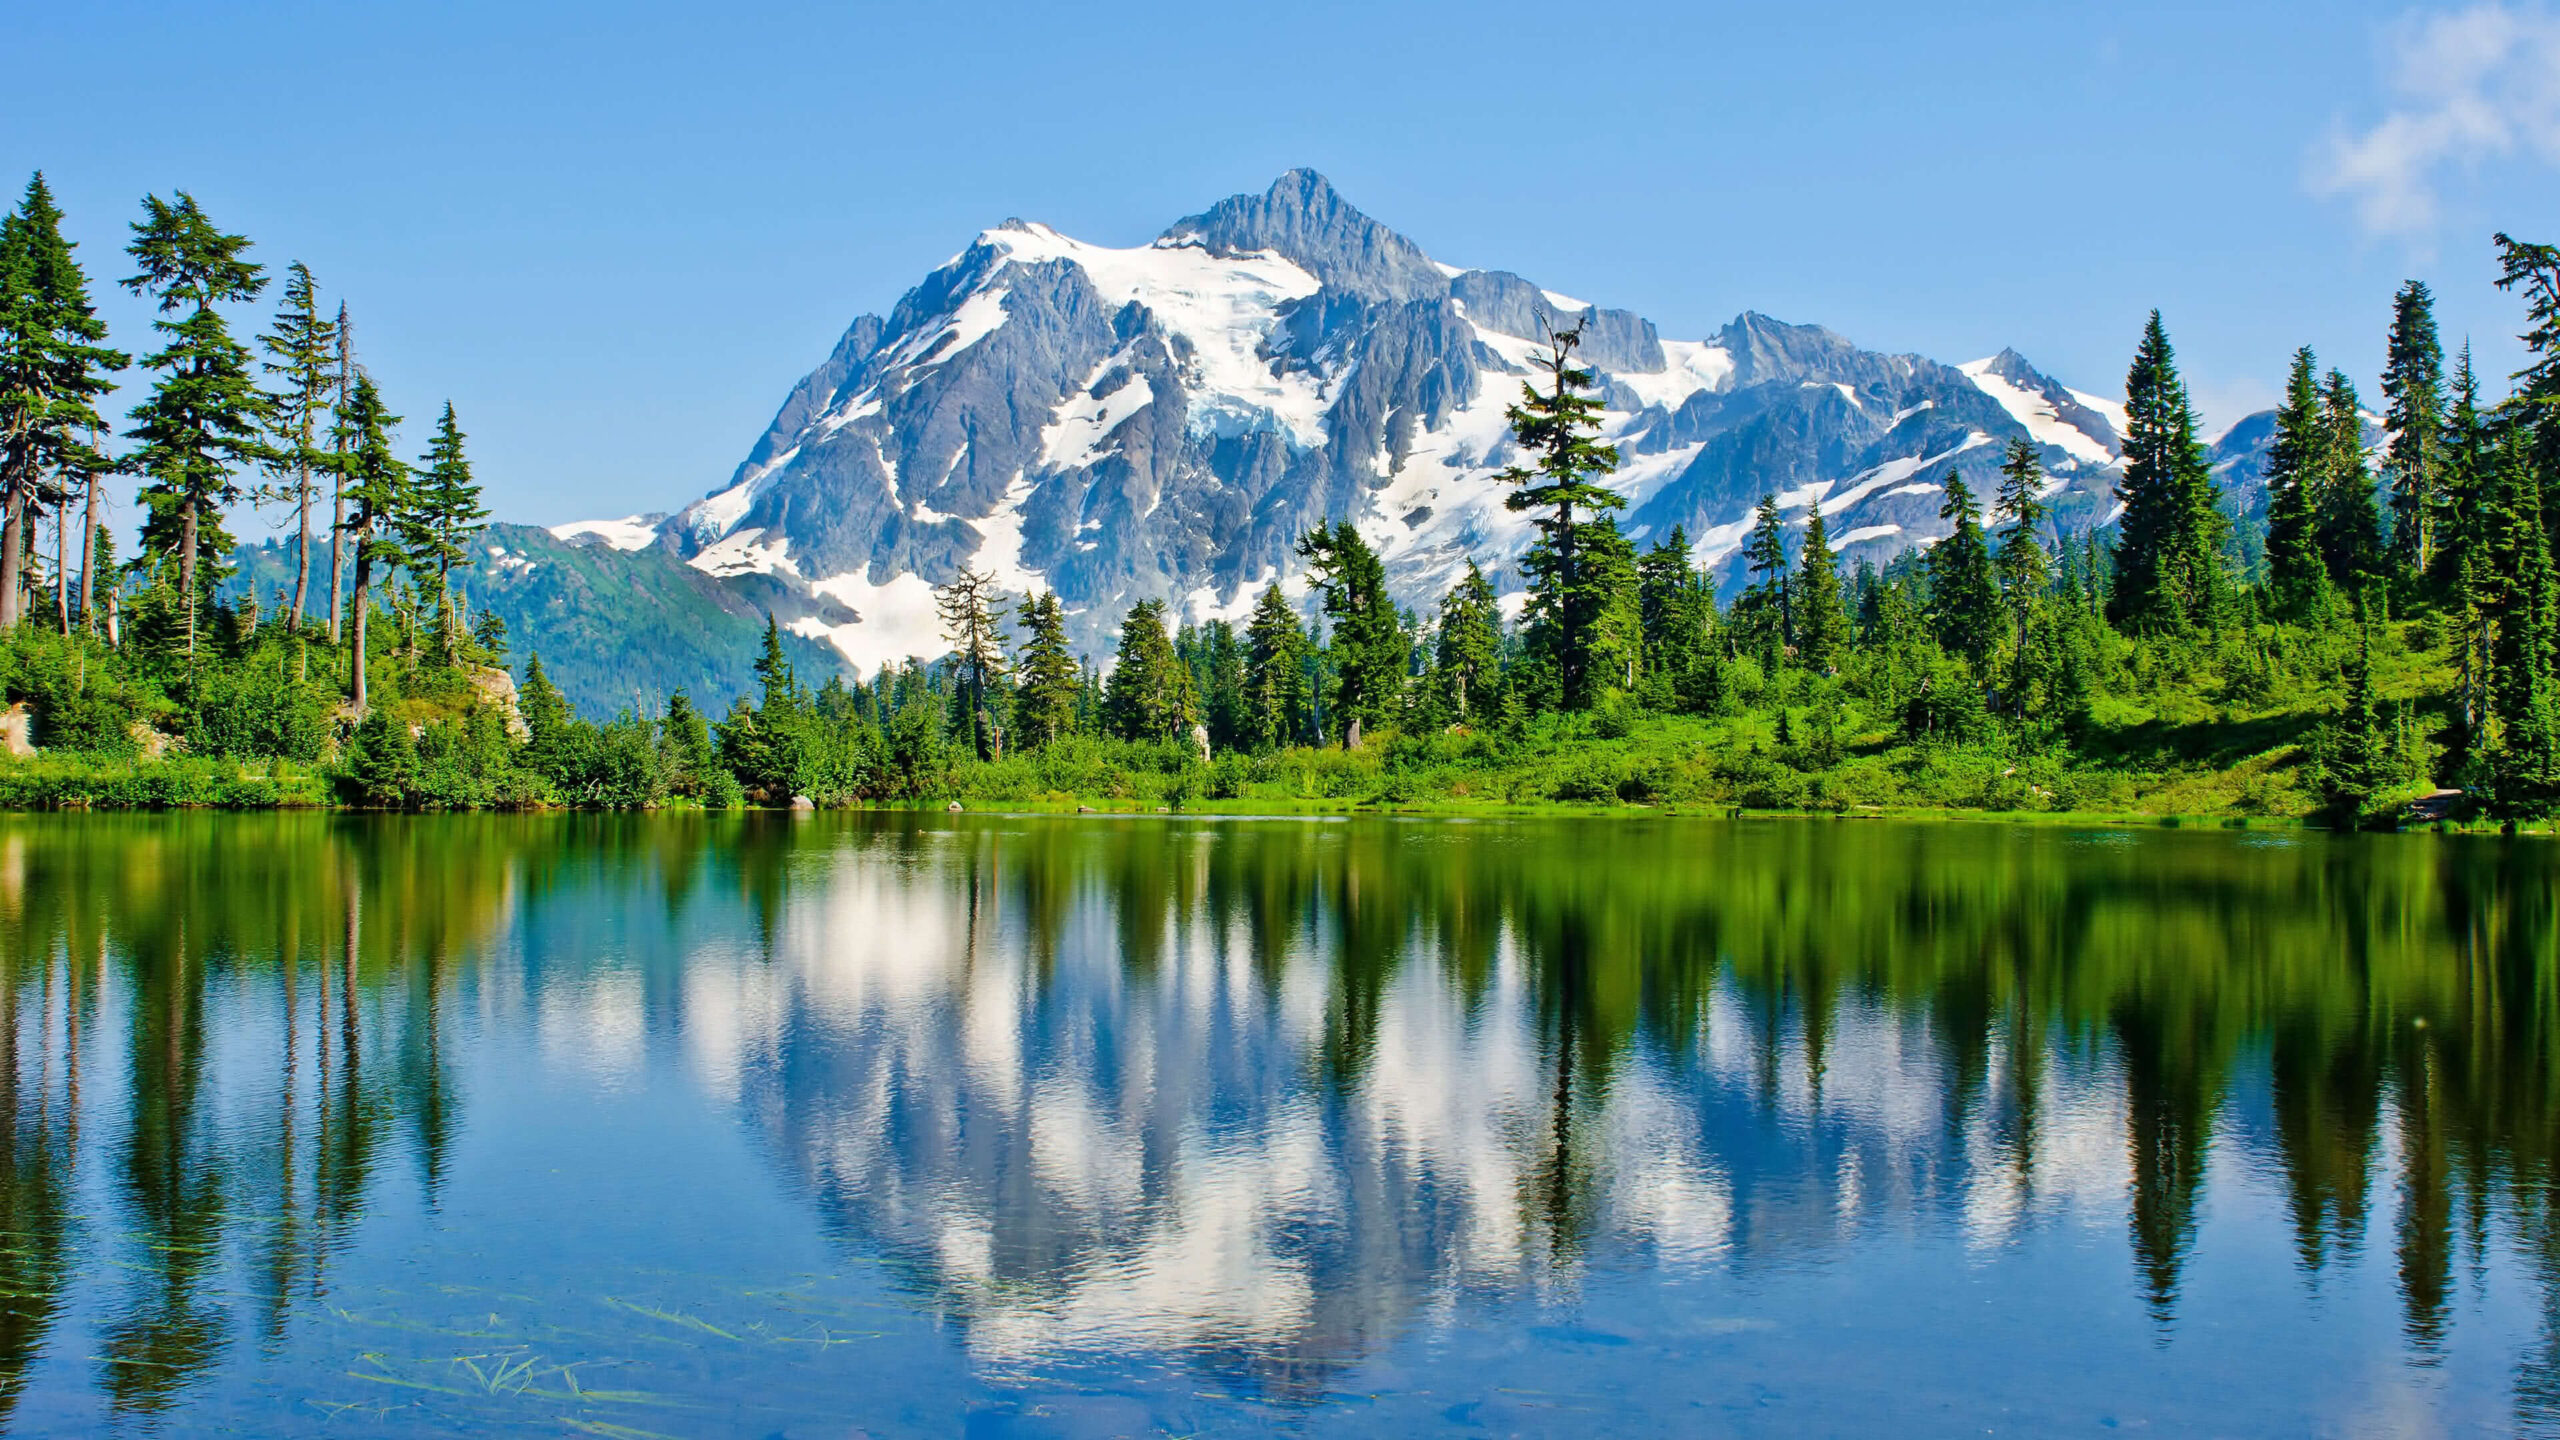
2378,644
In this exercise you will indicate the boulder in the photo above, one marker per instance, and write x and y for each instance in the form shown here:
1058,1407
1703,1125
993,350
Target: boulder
17,730
498,688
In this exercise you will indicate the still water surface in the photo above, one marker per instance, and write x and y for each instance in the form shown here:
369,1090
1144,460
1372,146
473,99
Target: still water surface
875,1125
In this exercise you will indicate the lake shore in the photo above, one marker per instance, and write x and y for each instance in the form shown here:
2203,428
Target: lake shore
181,783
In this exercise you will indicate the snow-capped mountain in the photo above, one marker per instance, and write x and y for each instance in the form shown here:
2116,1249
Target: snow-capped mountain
1165,420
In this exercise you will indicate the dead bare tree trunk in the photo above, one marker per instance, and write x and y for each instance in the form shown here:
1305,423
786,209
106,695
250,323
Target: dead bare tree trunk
88,551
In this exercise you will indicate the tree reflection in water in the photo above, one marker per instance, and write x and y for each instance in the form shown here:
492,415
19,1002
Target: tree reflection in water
1265,1098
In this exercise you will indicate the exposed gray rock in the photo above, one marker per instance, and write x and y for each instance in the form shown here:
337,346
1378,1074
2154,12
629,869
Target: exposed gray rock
1619,341
1304,219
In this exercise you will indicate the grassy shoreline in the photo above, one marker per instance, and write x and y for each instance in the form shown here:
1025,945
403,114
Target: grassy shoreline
46,784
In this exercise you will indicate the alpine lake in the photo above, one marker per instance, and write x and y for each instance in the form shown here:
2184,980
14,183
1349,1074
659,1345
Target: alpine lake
876,1124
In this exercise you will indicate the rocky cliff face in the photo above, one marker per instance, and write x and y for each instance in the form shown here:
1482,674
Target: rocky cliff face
1164,420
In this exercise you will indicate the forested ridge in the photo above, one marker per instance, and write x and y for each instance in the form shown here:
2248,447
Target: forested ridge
2386,632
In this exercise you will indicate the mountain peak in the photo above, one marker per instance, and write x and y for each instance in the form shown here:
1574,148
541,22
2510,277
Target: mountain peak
1303,219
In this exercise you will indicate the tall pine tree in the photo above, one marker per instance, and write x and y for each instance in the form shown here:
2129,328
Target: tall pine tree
205,418
1149,695
2350,522
1763,612
444,515
2413,419
302,355
338,474
52,372
1044,700
2534,271
2297,474
1469,660
1822,620
2466,572
2025,572
967,608
1559,428
2525,760
1370,649
1276,698
2169,540
1964,594
376,488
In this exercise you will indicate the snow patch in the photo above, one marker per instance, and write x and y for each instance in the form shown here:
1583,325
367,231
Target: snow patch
898,620
631,532
976,319
1074,439
2111,410
867,403
1000,543
1689,366
1894,472
2038,415
745,554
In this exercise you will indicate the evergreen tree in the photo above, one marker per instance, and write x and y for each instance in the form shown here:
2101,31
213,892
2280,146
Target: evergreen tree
2025,572
376,486
2350,751
338,472
2351,524
1614,656
549,724
967,608
1044,704
1822,620
685,748
385,771
1560,428
1149,695
1468,664
1668,586
2466,572
445,514
1370,650
52,372
1964,594
778,692
2534,270
1763,611
303,353
1276,698
1216,661
2169,539
2297,477
205,417
2525,761
2413,418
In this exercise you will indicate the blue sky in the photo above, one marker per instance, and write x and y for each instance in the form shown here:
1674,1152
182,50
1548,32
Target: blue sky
614,235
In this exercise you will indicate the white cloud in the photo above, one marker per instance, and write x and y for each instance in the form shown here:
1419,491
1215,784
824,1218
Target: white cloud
2477,84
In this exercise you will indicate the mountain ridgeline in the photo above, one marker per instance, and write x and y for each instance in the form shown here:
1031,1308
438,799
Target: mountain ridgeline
1163,422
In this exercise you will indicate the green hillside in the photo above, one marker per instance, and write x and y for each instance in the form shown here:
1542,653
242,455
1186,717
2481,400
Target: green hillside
615,629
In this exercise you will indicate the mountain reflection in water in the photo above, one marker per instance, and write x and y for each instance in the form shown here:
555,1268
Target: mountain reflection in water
1268,1103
